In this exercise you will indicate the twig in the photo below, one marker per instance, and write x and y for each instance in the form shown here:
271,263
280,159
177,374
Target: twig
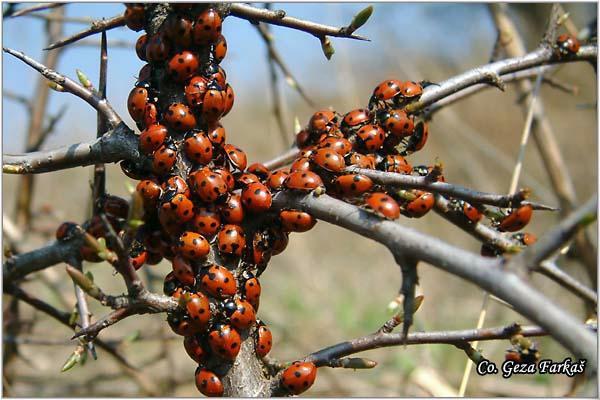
84,315
486,273
66,19
423,182
116,145
283,159
279,18
35,7
99,169
95,27
113,44
49,128
70,86
18,98
552,271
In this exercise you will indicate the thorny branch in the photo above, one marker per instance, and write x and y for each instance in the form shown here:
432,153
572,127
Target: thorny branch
95,27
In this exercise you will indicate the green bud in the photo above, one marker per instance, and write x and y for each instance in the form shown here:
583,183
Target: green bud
360,19
327,47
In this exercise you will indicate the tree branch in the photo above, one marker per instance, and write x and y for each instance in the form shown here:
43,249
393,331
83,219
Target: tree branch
95,27
283,159
552,271
33,8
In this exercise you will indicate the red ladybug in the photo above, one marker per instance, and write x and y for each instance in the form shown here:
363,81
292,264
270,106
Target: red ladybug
134,16
194,349
567,44
198,308
115,206
398,123
235,156
215,74
144,73
178,29
231,240
150,115
216,134
227,176
383,205
183,271
517,219
279,240
195,91
208,185
229,99
299,376
180,118
355,119
214,103
264,341
296,221
260,250
66,231
208,27
137,255
322,121
359,160
418,139
386,90
183,325
241,314
140,47
421,205
370,137
301,164
218,282
256,198
198,148
177,206
395,163
220,49
259,170
353,184
183,66
340,145
206,221
411,90
246,179
207,382
157,48
303,180
473,214
276,179
178,185
193,246
527,239
251,289
152,138
329,160
225,341
303,138
136,103
232,211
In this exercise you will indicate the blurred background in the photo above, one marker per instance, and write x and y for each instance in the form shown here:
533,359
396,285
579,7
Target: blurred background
329,285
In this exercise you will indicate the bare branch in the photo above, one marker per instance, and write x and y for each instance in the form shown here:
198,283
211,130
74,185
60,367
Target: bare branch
62,18
95,27
99,184
70,86
552,271
279,18
35,7
18,98
489,274
283,159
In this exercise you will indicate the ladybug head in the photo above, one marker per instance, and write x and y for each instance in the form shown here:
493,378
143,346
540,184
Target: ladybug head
228,307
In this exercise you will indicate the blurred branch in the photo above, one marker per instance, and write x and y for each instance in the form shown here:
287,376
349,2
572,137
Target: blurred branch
63,18
70,86
18,98
99,184
34,8
113,44
279,18
283,159
552,271
489,274
95,27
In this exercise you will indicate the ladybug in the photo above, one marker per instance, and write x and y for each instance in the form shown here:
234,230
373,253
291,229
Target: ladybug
179,117
136,103
264,340
386,90
329,160
231,240
355,119
208,26
303,138
256,198
206,221
66,231
178,185
517,219
195,91
299,376
177,206
395,163
227,177
207,382
397,122
303,180
276,179
134,17
296,221
214,73
472,214
184,325
182,66
140,47
322,121
229,99
178,29
359,160
131,170
353,184
115,206
170,284
567,44
421,205
259,170
183,271
279,240
194,349
137,255
418,139
208,185
261,250
218,282
411,90
246,179
383,205
198,148
193,246
235,156
340,145
214,103
153,258
301,164
164,158
527,239
198,308
152,138
144,73
220,49
232,211
157,48
251,288
241,314
225,341
513,355
150,115
370,137
216,134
